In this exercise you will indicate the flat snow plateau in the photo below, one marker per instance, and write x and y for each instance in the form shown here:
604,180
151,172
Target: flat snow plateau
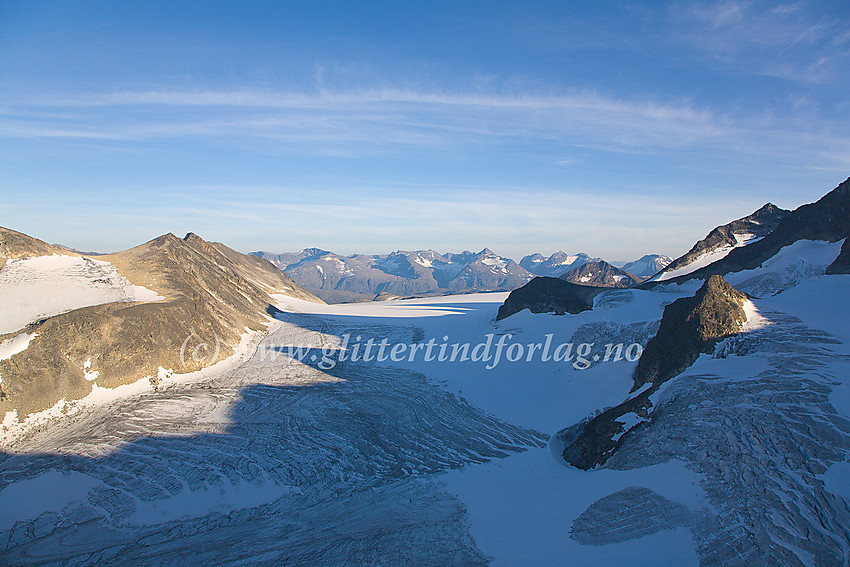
274,461
34,288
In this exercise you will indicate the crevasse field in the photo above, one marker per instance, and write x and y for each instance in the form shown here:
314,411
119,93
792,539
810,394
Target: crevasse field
272,457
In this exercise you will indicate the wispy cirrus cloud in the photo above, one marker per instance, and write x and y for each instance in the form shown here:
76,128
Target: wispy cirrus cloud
393,120
793,41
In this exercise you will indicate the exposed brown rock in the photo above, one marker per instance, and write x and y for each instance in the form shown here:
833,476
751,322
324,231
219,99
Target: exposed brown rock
14,244
212,294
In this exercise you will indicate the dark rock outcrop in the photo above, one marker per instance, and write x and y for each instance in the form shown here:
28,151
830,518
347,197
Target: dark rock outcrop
547,295
385,296
689,327
600,274
841,265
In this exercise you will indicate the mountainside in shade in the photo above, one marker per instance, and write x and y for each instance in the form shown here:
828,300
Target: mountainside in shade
556,264
338,278
689,327
841,265
197,292
828,220
648,265
720,241
14,244
600,274
548,295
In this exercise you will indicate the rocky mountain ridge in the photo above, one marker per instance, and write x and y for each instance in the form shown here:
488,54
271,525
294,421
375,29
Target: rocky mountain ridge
827,219
209,294
647,266
724,238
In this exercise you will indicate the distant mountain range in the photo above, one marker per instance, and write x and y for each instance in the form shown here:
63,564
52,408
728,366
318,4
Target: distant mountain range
338,278
555,265
361,277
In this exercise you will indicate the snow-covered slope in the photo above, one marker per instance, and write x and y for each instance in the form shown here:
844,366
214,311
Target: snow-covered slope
35,288
555,265
647,265
827,220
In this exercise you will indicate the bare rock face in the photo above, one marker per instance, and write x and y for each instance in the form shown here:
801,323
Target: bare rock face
211,295
385,296
689,327
548,295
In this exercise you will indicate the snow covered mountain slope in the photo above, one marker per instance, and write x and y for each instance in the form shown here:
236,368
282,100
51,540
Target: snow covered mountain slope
40,287
555,265
431,458
402,273
647,265
720,241
279,460
689,327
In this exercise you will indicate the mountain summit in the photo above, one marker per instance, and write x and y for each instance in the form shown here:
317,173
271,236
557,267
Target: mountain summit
600,274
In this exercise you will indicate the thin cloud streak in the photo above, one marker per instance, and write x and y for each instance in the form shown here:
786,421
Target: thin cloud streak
388,120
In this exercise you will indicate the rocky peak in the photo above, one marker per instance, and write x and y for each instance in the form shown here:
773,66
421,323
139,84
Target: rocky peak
600,274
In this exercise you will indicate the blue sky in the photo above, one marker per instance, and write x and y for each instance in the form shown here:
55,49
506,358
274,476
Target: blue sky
615,128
